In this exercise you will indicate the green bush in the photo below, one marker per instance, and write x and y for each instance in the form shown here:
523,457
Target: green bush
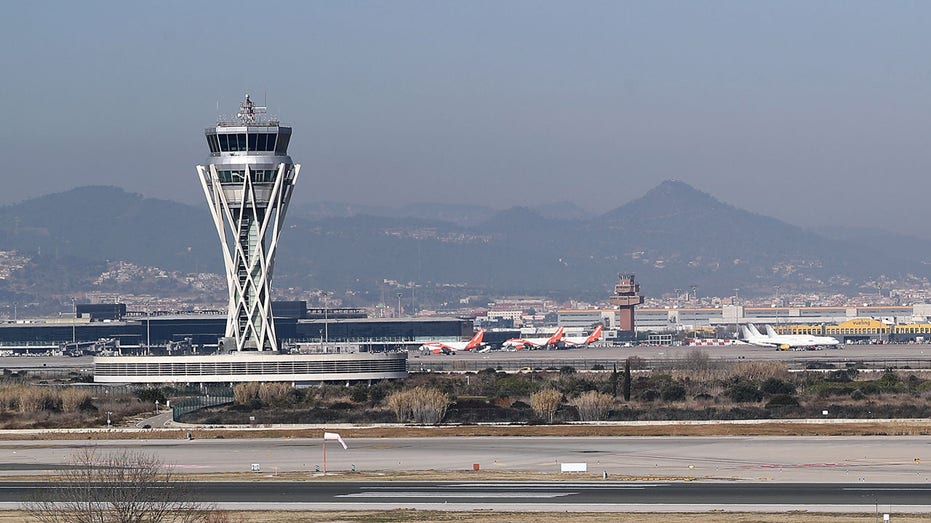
515,386
781,400
648,395
744,392
359,394
776,386
673,392
150,395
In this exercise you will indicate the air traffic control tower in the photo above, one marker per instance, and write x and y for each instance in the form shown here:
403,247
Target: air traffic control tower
248,181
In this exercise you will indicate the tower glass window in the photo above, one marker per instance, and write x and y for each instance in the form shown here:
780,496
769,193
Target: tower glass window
283,143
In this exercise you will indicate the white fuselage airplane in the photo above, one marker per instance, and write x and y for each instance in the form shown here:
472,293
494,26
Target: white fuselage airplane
533,343
785,341
450,347
583,341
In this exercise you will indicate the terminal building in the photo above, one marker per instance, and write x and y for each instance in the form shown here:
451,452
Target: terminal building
898,323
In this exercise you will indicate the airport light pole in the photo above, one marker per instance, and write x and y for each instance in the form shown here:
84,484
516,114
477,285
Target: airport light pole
399,305
74,318
326,317
737,313
148,330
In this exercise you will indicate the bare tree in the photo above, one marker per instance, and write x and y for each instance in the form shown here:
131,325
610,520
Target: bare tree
120,487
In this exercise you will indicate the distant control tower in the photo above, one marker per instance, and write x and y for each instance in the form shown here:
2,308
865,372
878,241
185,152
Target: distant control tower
626,297
248,181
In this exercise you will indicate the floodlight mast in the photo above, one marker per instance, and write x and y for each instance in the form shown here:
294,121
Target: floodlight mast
248,182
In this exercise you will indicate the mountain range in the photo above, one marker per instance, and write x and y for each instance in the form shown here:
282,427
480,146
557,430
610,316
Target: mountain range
674,236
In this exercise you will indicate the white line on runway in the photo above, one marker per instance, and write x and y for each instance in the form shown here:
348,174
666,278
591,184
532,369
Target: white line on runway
454,494
554,485
917,489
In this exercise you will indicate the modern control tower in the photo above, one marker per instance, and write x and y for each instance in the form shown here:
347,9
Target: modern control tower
248,181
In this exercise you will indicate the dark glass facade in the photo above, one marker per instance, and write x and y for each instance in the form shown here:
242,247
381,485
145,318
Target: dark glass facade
239,142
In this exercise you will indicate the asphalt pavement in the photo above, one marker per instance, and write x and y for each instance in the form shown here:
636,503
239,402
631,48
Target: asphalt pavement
784,459
603,495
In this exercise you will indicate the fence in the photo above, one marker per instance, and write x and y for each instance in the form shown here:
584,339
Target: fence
414,366
210,398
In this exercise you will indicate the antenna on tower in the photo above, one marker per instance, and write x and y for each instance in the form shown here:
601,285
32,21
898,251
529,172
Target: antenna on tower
248,111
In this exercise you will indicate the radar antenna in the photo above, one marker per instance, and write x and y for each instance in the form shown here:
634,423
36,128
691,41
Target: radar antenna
248,110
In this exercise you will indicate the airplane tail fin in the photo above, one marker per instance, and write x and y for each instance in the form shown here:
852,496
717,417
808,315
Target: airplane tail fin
770,331
595,335
554,339
753,329
746,333
476,340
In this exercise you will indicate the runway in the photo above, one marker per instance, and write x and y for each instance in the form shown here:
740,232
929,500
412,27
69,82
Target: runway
556,496
901,459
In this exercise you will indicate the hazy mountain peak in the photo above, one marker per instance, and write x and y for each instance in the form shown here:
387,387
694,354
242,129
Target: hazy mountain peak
671,197
680,193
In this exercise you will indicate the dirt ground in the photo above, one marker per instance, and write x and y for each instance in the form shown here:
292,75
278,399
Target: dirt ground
776,428
368,516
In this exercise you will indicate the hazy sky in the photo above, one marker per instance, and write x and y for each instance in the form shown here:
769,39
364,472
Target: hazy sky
818,113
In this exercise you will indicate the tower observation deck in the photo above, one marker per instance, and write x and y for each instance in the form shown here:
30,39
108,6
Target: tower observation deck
248,181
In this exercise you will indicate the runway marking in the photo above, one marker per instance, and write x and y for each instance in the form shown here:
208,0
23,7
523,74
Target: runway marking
916,489
454,494
558,485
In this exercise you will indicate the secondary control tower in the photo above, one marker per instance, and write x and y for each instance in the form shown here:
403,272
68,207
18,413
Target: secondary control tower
248,181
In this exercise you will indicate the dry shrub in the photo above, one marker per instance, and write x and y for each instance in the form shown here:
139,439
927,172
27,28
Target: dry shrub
758,370
420,405
545,403
593,405
400,403
429,406
35,399
72,399
274,393
9,397
246,393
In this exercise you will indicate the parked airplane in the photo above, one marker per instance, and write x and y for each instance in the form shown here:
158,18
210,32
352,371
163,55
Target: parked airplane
819,341
583,341
784,341
533,343
450,347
